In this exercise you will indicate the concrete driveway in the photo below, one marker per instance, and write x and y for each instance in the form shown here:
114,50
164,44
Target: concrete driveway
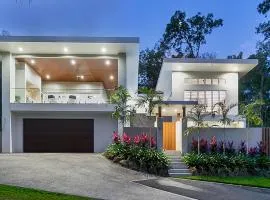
80,174
94,176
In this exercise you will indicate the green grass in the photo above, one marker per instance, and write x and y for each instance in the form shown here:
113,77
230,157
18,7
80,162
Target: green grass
19,193
246,181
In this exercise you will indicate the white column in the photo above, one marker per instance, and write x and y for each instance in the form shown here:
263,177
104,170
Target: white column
132,70
122,69
8,81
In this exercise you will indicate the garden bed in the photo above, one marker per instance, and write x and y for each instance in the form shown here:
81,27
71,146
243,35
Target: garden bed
138,153
229,161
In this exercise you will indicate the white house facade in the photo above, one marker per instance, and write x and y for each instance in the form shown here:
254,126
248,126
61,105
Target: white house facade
55,91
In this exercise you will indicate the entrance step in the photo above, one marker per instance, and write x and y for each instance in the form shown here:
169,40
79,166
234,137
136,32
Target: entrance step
177,166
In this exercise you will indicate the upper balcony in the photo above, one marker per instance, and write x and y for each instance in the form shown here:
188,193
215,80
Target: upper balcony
43,80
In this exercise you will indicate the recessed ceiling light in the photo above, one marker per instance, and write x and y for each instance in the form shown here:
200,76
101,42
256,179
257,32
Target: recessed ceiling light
65,49
163,110
33,61
82,77
108,62
48,76
175,110
103,50
111,77
20,49
73,62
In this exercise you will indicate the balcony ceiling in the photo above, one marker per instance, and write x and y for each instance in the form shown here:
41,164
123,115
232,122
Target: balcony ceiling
62,69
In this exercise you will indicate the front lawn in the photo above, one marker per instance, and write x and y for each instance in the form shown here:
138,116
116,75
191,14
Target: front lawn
19,193
246,181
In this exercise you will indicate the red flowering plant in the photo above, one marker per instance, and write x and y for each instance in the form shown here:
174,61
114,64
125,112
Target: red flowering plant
152,142
194,145
253,151
203,145
213,144
116,137
137,140
126,139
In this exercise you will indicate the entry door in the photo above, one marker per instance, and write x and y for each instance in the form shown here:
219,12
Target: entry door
58,135
169,135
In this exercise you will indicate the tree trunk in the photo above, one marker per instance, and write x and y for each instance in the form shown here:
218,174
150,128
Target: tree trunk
247,135
198,142
224,132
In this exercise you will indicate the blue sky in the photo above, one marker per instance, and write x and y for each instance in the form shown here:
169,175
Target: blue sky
142,18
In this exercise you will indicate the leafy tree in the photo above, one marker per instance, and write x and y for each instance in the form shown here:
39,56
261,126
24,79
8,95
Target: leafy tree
239,56
185,36
123,111
252,113
223,109
197,115
149,99
264,28
149,67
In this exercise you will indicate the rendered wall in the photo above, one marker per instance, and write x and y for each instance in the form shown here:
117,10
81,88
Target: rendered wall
231,134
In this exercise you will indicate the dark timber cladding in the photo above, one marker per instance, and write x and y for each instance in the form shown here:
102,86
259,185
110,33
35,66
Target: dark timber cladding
58,135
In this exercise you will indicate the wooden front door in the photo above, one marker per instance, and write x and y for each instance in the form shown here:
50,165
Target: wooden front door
169,136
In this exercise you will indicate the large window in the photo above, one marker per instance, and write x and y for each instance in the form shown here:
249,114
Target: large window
204,81
209,98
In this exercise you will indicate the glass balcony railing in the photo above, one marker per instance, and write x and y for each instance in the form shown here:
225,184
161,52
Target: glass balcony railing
62,96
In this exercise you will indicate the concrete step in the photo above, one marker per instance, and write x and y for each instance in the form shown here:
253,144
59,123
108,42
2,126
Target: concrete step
179,170
178,165
180,174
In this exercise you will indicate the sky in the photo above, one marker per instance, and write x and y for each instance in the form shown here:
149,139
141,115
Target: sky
145,19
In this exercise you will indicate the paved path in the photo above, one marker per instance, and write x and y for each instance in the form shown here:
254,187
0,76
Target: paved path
80,174
206,190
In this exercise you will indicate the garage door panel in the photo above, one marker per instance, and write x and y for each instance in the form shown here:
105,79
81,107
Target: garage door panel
58,135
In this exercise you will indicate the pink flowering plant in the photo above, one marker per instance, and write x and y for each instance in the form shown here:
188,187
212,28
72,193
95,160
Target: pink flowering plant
138,152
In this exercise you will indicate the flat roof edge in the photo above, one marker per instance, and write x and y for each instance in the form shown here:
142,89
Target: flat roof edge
79,39
201,60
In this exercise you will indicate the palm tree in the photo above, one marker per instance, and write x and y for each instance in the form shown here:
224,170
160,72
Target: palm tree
224,120
123,111
197,115
251,112
149,99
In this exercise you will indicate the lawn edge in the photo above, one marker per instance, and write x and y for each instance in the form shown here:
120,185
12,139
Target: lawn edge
30,189
231,184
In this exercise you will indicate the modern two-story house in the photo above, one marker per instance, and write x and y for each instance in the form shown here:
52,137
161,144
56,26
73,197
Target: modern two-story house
187,82
55,91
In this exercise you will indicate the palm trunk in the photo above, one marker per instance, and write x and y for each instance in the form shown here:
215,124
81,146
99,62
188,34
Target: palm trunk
198,142
247,136
224,131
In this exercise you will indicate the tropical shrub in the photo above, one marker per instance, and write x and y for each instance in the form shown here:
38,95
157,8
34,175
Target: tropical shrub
228,165
138,153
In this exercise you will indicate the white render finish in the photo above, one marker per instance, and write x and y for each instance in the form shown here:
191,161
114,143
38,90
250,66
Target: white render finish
8,75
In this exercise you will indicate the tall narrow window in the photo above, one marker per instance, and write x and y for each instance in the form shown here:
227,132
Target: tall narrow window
187,95
194,95
201,97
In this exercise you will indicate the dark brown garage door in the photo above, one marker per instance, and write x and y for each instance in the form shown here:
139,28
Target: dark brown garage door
58,135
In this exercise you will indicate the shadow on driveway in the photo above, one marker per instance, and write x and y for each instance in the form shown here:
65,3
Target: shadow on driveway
206,190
